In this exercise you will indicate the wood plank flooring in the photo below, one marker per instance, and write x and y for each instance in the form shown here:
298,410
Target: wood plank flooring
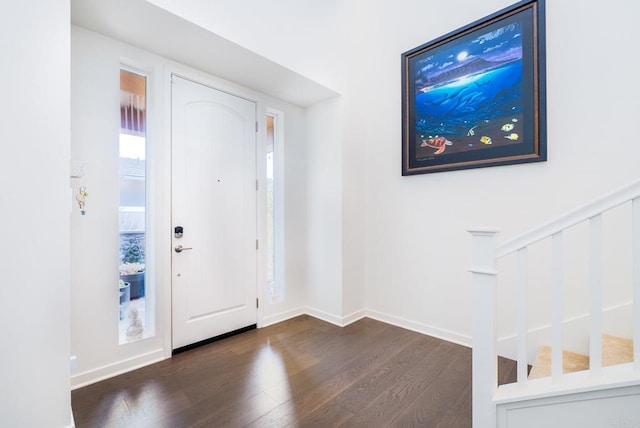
299,373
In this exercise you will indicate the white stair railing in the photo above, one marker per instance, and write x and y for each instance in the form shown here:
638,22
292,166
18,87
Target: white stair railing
595,289
484,363
636,283
486,253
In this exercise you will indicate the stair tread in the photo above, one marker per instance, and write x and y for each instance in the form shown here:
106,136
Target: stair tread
571,362
615,350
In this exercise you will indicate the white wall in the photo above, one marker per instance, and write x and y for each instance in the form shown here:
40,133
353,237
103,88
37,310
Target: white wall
95,121
35,201
417,248
95,126
409,262
324,204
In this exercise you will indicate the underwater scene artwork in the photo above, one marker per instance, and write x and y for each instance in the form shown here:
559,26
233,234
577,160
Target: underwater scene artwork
470,97
476,97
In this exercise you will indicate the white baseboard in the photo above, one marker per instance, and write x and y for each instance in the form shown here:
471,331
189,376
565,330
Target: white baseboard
316,313
353,317
282,316
324,316
105,372
379,316
440,333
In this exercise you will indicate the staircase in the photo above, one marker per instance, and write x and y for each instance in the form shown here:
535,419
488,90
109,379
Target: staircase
595,387
615,350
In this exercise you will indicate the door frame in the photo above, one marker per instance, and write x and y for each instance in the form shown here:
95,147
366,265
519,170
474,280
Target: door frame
164,272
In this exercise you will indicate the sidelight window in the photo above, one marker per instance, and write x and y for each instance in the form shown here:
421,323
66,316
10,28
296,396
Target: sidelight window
132,207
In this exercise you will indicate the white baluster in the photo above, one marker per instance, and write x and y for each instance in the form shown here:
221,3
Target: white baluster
485,366
595,287
636,283
521,306
556,305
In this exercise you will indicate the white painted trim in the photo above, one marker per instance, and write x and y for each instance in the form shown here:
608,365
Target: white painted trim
164,257
279,202
439,333
482,271
567,399
115,369
620,376
557,304
578,215
484,230
324,316
316,313
261,210
367,313
537,335
595,294
484,322
282,316
353,317
522,317
214,82
635,230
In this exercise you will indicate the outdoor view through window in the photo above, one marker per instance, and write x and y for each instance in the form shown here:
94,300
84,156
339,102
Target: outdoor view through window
132,148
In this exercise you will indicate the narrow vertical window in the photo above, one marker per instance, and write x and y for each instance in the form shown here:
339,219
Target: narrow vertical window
132,149
272,293
275,291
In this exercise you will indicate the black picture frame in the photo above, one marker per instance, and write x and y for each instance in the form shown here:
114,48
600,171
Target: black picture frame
476,97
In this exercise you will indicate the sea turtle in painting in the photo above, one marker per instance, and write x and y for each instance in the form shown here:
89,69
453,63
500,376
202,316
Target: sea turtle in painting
439,143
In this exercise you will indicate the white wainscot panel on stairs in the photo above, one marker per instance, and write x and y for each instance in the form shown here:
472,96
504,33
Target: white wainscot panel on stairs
615,408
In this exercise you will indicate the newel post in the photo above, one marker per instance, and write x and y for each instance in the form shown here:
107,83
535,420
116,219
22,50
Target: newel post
485,365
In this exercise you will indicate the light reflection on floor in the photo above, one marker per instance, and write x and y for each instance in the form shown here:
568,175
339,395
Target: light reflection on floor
269,369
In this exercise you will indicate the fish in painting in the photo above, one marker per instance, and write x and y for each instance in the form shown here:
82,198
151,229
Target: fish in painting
507,127
486,140
513,136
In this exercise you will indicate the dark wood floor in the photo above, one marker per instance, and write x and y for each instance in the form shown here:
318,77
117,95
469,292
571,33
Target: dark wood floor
302,372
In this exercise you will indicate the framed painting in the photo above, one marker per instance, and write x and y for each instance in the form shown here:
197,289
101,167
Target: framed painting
476,97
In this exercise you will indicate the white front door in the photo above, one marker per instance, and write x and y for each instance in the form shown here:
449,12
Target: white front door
214,202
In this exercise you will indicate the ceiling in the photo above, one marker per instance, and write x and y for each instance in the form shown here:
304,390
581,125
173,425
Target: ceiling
146,26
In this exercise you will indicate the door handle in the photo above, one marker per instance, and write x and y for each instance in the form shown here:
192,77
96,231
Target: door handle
180,248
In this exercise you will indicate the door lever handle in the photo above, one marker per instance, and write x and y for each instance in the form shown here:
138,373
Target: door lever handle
180,248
